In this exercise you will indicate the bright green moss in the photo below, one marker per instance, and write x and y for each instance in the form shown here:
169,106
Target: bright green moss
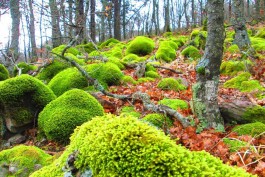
171,84
198,38
251,85
124,146
25,68
24,158
22,98
233,49
166,51
234,144
174,103
152,74
66,80
95,53
236,81
158,120
47,73
140,46
258,44
4,74
254,114
60,49
109,43
89,47
253,129
128,80
194,33
116,51
233,67
230,34
116,61
150,67
191,52
129,111
132,58
73,57
61,116
145,79
261,33
168,34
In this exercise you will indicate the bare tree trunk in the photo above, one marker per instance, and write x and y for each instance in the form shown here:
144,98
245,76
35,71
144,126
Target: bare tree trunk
230,10
193,13
56,34
124,18
167,20
92,20
40,29
205,90
32,33
117,20
257,10
63,14
15,16
248,8
157,17
79,20
186,14
70,16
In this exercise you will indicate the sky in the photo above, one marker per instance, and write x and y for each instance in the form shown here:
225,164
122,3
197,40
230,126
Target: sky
5,28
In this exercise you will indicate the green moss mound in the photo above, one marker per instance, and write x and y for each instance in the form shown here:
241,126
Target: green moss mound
74,58
66,80
140,46
52,69
124,146
128,80
171,84
174,103
198,38
233,67
261,33
116,61
129,111
4,74
132,58
234,144
60,49
24,158
166,51
253,129
22,98
258,44
251,85
61,116
236,81
254,114
152,74
25,68
145,79
233,49
109,43
116,51
89,47
191,52
158,120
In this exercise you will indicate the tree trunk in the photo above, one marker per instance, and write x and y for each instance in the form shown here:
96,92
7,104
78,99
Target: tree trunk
79,20
186,14
92,20
157,17
15,16
70,16
167,20
56,34
257,10
193,13
117,20
205,90
32,33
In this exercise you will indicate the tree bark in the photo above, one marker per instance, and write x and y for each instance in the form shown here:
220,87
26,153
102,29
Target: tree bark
92,20
205,90
79,20
56,34
257,10
32,33
70,16
186,14
117,20
167,20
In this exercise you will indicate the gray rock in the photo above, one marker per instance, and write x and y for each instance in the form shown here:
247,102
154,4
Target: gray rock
17,139
3,171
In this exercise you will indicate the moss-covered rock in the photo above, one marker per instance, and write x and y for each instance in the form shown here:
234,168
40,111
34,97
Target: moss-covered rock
258,44
128,80
124,146
253,129
66,80
254,114
145,79
22,98
191,52
174,103
116,61
61,116
25,68
89,47
233,67
152,74
108,43
198,38
261,33
47,73
60,49
233,49
23,159
234,144
236,81
171,84
140,46
74,58
132,58
129,111
116,51
158,120
251,85
166,51
4,74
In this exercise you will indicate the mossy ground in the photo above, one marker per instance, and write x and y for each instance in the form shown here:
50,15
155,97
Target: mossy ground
253,129
174,103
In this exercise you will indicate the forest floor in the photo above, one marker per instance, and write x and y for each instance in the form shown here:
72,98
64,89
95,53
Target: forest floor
209,140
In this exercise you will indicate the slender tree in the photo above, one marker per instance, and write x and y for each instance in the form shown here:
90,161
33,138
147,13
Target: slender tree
257,10
32,32
92,20
79,20
117,19
167,20
205,90
56,34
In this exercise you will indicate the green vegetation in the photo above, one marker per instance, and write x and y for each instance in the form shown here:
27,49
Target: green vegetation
253,129
174,103
60,49
140,46
261,33
61,116
128,80
129,111
25,68
167,51
171,84
4,74
73,57
24,158
191,52
116,61
235,144
233,49
232,67
89,47
132,58
145,79
158,120
124,146
108,43
47,73
198,39
66,80
152,74
258,44
254,114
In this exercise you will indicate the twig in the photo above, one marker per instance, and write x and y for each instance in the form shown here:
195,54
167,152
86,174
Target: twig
172,70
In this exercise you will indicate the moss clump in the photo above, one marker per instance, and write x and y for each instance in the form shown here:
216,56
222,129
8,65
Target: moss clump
25,68
128,80
150,67
158,120
233,67
124,146
116,51
22,98
258,44
52,69
73,57
132,58
60,49
198,38
129,111
166,51
171,84
66,80
261,33
116,61
109,42
61,116
145,79
89,47
234,144
4,74
233,49
236,81
174,103
168,34
24,158
140,46
191,52
251,85
152,74
254,114
253,129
